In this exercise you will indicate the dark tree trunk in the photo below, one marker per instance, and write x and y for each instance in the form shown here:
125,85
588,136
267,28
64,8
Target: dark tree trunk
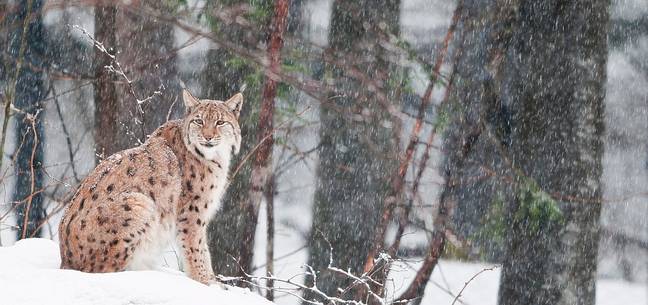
224,75
295,15
30,89
225,231
144,48
107,105
479,128
147,47
556,75
359,152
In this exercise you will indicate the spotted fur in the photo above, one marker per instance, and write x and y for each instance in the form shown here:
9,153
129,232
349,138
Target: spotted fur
136,201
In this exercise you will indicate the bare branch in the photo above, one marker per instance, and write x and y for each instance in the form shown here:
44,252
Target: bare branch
399,179
116,68
470,280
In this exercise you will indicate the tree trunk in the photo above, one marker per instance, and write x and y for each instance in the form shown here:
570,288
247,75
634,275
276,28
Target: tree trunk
29,91
107,105
358,143
144,48
262,162
556,75
474,165
224,75
226,228
270,232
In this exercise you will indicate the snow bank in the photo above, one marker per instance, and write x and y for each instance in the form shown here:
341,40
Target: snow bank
30,274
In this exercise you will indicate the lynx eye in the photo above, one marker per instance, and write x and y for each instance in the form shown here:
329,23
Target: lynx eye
220,123
198,122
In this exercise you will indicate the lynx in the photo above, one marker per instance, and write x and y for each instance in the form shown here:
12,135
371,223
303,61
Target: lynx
136,201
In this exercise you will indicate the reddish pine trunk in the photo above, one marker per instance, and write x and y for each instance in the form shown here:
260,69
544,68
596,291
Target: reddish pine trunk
261,166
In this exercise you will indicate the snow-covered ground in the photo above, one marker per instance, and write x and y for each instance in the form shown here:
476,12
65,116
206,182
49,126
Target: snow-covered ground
450,277
32,265
29,274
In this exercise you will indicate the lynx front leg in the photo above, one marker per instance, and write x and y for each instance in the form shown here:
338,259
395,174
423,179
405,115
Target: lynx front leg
192,238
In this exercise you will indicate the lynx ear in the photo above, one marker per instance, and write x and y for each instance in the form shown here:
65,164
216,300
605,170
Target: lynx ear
234,104
189,100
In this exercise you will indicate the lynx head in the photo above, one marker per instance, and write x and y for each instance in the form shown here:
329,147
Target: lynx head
211,129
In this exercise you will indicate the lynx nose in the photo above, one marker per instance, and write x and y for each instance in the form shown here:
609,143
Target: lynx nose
208,138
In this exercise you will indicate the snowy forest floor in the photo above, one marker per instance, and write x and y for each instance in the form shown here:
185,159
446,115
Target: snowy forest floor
30,274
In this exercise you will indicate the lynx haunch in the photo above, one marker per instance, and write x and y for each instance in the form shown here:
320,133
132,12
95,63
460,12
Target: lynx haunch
136,201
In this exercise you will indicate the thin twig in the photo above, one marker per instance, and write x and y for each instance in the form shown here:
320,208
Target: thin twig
116,68
470,280
32,120
399,178
256,147
68,139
